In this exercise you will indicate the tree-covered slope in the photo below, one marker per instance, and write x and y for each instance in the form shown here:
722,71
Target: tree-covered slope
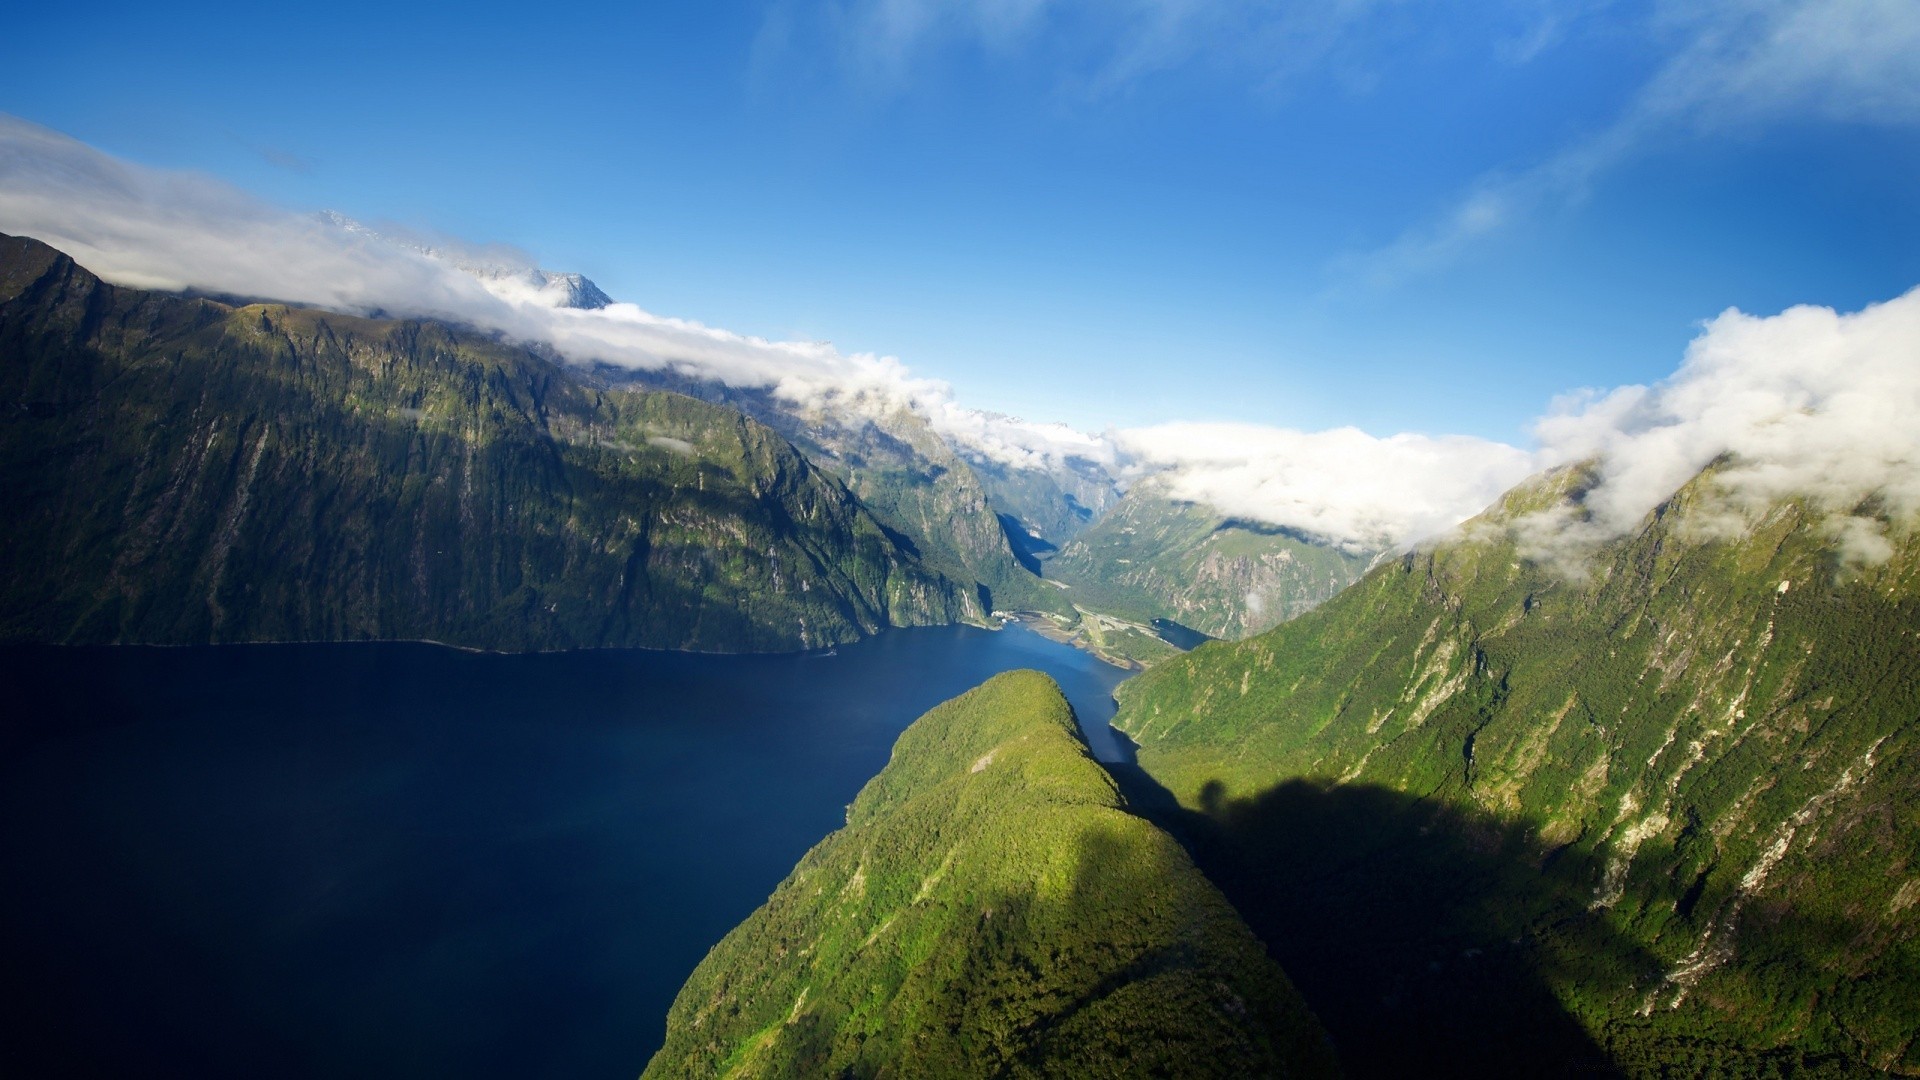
904,473
991,909
180,470
1155,557
1663,811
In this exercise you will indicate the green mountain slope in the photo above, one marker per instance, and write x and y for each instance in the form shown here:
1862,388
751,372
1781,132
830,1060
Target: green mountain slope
180,471
1660,818
905,474
915,482
1155,557
991,909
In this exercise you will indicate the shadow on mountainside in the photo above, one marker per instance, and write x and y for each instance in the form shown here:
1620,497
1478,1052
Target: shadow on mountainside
1426,939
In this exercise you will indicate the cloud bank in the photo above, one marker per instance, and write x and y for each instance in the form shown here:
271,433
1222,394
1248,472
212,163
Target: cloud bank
1807,403
161,229
1344,485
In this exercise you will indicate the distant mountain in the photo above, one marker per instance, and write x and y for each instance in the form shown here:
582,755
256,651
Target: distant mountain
1153,556
180,470
1045,506
911,478
992,909
542,286
511,280
1655,814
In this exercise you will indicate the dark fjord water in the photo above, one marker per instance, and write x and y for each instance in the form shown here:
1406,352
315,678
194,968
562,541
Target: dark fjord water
403,860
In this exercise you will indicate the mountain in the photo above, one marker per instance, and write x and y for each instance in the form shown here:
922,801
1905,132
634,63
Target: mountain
181,470
1156,557
913,481
991,909
1044,506
1653,814
510,278
542,286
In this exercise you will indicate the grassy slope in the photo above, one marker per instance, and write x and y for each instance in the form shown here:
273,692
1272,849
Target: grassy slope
991,909
1671,803
1152,557
185,471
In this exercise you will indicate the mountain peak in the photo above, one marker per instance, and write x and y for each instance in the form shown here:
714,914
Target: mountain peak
509,278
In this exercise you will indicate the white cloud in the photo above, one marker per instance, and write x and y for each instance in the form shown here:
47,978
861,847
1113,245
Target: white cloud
1344,485
1808,403
161,229
1732,65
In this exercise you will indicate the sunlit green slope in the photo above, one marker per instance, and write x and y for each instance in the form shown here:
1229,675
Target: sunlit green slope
1156,557
991,909
180,470
1662,816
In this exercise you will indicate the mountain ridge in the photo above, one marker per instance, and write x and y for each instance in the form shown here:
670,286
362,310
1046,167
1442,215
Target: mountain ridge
188,471
991,908
1674,784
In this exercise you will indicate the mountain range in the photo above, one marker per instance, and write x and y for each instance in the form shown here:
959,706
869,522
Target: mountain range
1517,801
1649,811
184,470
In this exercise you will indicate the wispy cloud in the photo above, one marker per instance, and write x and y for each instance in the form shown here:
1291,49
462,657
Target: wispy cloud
1733,65
163,229
1809,402
1091,48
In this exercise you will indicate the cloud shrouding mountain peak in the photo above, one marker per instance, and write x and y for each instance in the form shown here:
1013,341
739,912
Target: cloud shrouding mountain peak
1808,402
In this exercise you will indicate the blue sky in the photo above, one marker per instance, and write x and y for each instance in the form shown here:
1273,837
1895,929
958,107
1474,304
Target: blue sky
1402,216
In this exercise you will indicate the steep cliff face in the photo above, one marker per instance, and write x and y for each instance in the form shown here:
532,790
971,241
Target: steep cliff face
905,473
1665,802
1156,557
991,909
1051,503
182,471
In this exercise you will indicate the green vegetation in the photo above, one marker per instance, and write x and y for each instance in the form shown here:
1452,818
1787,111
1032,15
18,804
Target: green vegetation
914,483
907,476
1657,817
991,909
183,471
1152,557
1117,641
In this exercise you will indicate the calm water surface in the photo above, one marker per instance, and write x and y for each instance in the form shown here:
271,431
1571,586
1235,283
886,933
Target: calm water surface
403,860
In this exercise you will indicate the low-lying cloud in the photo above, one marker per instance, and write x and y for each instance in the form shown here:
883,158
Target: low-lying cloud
1807,403
162,229
1343,485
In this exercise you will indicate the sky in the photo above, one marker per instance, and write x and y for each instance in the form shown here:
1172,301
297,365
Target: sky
1202,223
1103,213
